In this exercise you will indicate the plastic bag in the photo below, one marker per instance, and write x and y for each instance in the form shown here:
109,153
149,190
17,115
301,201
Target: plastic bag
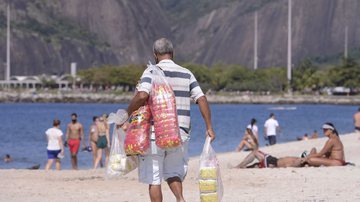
210,183
119,164
163,108
137,140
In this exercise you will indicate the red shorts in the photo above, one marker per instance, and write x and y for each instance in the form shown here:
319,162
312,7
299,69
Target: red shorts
74,145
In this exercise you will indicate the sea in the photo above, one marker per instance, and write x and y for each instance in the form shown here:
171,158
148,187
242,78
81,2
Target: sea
23,126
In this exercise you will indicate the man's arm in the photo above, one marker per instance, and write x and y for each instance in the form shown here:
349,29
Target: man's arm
206,114
138,100
67,133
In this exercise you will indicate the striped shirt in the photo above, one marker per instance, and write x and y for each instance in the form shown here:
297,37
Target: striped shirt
185,87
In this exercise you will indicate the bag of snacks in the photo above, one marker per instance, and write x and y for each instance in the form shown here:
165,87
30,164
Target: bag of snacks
119,164
137,140
210,183
163,108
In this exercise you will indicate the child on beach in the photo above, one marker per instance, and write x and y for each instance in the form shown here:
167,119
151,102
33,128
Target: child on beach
55,148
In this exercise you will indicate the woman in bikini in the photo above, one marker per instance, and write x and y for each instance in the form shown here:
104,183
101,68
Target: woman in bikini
249,140
332,154
103,141
93,137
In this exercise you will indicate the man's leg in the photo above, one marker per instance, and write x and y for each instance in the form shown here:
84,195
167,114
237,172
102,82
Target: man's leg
272,140
155,193
74,161
248,159
175,185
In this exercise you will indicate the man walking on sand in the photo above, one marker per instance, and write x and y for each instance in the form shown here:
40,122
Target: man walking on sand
271,126
170,165
74,135
357,121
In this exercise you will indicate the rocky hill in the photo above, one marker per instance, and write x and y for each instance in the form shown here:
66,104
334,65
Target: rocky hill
47,35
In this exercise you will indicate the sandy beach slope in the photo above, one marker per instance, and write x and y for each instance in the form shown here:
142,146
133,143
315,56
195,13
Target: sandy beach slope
280,184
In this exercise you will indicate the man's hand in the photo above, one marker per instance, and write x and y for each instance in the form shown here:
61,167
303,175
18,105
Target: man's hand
211,134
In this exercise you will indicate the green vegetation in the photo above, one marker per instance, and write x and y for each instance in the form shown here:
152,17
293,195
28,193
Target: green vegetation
307,77
106,76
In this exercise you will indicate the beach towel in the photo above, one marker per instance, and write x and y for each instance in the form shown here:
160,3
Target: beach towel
137,140
210,183
164,112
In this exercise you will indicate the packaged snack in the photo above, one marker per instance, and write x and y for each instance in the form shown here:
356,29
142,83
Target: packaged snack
137,140
208,173
210,183
119,164
208,186
164,112
209,197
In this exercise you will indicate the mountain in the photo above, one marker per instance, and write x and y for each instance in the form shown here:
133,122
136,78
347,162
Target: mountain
47,35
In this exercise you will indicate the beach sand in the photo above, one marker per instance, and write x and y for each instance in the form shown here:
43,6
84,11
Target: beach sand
277,184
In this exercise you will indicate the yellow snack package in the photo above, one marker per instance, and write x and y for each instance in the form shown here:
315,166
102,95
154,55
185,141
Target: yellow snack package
210,197
208,173
208,185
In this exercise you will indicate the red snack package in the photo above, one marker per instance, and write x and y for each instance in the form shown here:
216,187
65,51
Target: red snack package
163,108
137,140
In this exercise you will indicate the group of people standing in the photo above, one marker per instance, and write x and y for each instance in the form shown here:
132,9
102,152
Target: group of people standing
99,141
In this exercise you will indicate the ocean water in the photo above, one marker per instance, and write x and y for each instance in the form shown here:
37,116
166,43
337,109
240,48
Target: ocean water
22,126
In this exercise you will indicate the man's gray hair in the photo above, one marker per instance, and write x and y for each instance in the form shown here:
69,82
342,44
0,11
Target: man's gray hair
163,46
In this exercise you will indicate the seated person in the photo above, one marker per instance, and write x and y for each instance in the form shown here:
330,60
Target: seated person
249,140
306,137
268,161
332,154
314,135
7,158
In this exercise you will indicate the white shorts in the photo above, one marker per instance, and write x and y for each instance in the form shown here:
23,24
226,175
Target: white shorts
163,164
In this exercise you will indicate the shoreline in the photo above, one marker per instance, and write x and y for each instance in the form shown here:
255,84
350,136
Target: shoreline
292,184
81,97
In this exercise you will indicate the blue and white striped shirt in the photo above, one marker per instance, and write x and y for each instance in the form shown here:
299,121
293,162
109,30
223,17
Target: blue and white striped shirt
185,87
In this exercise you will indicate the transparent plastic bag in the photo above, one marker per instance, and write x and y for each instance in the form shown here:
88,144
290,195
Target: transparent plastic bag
119,164
163,109
137,140
210,183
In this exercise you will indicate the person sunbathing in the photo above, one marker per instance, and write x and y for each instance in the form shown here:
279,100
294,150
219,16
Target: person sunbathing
249,140
332,154
268,161
265,160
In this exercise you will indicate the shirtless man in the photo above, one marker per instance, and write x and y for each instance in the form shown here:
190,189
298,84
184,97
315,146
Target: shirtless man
332,154
93,137
357,121
268,161
74,135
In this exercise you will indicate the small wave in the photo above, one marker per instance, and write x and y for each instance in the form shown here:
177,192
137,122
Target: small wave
282,108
